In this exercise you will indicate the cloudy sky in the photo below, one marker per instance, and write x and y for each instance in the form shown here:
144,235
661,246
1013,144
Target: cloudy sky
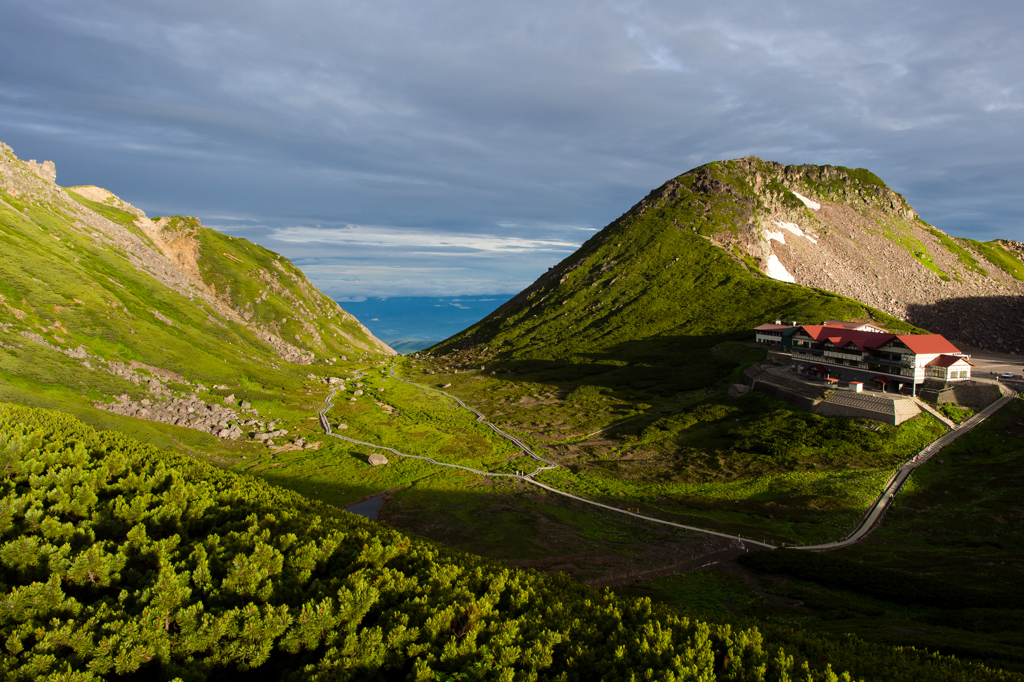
397,148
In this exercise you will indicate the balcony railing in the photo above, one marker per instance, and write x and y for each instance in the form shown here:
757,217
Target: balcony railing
875,360
844,356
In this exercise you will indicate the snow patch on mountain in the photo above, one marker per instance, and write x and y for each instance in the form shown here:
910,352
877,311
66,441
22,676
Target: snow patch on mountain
813,205
795,229
776,270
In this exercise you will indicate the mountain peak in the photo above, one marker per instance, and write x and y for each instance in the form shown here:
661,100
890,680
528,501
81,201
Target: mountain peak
829,228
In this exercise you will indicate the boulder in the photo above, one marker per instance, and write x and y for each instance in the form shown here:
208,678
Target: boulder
377,459
357,392
229,399
447,386
736,390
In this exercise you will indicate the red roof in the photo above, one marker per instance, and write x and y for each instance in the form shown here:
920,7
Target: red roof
948,360
840,336
843,337
928,343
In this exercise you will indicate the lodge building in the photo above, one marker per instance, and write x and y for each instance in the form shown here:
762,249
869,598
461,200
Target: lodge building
859,353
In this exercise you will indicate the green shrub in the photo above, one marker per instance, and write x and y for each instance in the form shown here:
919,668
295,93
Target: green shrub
583,394
117,559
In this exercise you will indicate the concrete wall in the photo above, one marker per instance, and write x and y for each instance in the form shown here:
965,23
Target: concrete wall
973,394
841,403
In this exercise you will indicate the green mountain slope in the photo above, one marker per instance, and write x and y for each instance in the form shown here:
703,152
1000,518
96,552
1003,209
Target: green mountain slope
98,301
653,283
686,261
619,360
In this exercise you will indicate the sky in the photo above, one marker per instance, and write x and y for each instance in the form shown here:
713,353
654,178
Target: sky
442,148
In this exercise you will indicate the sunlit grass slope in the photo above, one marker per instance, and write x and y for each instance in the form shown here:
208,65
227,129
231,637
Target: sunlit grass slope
87,286
654,274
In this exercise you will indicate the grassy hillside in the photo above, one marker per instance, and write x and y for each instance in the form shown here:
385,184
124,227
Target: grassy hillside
118,561
654,275
97,301
942,573
618,360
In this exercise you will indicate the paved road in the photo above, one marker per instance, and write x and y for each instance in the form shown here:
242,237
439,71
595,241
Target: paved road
985,365
868,522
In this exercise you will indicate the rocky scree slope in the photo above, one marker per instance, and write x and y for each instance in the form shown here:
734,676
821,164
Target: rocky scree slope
845,231
664,281
98,299
653,271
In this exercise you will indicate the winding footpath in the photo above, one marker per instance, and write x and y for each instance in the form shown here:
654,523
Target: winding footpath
525,478
874,513
867,523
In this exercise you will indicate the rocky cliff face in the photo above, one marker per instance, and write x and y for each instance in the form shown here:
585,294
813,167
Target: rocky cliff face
845,231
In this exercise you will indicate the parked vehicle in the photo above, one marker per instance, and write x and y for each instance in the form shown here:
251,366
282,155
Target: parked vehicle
1006,375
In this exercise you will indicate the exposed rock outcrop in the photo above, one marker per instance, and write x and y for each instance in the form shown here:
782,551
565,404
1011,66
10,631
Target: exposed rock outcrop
844,230
190,413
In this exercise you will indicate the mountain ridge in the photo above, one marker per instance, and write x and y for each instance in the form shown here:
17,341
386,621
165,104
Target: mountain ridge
158,318
799,224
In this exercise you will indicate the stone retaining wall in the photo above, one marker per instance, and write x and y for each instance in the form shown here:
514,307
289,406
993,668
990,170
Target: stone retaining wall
973,394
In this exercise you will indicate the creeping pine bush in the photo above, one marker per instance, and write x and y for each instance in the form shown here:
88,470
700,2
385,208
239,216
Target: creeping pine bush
117,559
583,393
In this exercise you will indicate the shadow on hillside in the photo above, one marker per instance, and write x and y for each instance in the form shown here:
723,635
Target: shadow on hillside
991,322
520,526
652,367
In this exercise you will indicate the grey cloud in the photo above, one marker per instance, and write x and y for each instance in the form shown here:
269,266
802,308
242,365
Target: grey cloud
528,121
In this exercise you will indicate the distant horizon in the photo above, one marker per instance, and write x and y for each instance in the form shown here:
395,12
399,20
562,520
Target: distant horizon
427,319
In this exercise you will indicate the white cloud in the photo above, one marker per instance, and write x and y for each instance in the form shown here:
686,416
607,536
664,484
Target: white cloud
403,239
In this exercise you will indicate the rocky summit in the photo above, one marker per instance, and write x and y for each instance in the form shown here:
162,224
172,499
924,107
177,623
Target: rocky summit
844,230
735,243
